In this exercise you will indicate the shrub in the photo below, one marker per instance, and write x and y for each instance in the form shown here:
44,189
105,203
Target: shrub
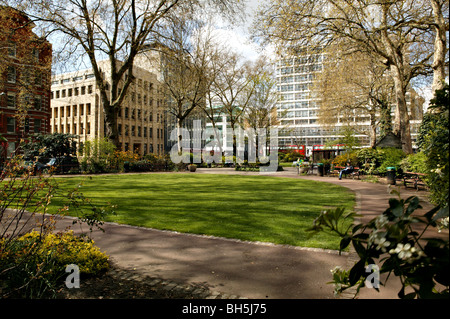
415,163
291,156
391,239
341,160
40,275
30,265
390,157
433,140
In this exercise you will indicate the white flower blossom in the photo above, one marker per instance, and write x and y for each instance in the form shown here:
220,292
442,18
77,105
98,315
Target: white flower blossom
381,221
406,252
382,243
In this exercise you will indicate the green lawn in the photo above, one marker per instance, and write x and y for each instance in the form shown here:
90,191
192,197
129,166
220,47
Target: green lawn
255,208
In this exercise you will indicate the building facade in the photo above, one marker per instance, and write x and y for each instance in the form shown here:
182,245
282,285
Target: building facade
298,106
76,109
25,76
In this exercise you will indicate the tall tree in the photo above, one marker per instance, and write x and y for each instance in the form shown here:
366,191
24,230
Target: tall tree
352,88
397,32
113,30
234,87
261,113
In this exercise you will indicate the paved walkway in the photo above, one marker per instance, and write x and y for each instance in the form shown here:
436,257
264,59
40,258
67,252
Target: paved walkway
251,270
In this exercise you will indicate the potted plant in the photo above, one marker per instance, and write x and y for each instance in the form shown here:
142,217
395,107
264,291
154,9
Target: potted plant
192,167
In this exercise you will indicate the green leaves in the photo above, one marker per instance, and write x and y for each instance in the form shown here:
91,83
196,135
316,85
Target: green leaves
420,263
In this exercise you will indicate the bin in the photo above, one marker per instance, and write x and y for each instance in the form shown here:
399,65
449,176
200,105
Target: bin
390,175
320,169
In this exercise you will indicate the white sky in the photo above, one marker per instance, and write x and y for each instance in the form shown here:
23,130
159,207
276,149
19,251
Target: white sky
238,37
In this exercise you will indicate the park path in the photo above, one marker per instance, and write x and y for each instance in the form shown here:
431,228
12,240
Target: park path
245,269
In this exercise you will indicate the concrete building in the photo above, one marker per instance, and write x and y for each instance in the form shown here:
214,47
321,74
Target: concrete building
25,71
76,109
299,106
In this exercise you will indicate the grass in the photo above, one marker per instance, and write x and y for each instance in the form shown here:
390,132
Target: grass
254,208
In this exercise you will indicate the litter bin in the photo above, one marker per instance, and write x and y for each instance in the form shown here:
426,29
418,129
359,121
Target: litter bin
390,175
320,169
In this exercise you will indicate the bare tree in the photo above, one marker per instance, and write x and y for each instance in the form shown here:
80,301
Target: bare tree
353,87
186,58
397,32
113,30
234,88
261,112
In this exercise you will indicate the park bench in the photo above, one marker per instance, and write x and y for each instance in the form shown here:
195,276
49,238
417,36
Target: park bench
414,179
337,169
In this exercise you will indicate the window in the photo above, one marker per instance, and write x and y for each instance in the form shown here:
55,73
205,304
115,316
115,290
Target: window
11,100
126,112
35,53
90,89
69,92
119,129
126,130
139,131
26,125
38,79
12,49
11,74
11,125
37,102
83,90
133,130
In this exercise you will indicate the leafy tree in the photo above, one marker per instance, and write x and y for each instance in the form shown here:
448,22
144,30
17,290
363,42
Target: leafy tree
392,244
50,145
433,141
398,33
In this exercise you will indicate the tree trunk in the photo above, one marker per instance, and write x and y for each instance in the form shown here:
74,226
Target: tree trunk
373,130
401,125
111,132
179,133
440,46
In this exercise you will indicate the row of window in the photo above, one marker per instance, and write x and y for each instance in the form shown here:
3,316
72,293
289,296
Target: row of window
27,78
296,78
11,125
139,114
300,69
296,87
148,148
139,131
72,92
302,113
28,100
306,59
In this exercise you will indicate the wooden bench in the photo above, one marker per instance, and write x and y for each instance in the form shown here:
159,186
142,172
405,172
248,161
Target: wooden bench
337,170
414,179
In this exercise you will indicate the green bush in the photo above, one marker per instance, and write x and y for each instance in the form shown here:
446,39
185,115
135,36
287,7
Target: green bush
341,160
433,140
390,157
36,263
416,163
291,156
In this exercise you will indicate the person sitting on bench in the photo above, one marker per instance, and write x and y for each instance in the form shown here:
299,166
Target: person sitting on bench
347,170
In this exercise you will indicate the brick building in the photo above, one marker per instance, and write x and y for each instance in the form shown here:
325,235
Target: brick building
25,80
